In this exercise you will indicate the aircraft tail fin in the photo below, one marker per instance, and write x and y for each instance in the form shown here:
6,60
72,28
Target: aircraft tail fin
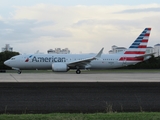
138,48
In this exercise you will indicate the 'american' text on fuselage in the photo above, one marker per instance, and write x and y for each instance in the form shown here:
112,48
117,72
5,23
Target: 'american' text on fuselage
48,59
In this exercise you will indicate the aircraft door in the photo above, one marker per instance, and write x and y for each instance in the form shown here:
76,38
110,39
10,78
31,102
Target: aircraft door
124,63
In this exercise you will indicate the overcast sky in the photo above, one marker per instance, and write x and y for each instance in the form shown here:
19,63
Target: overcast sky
83,26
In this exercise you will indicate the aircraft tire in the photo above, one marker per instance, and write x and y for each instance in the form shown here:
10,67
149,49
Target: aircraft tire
78,71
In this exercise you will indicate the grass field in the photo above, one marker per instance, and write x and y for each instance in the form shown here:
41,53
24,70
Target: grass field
80,116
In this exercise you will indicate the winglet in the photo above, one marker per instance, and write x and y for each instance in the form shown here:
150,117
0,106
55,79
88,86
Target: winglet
99,54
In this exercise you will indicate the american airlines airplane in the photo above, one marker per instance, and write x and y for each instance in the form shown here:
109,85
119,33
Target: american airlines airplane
64,62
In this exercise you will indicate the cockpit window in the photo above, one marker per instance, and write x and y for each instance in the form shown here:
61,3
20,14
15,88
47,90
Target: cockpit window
12,58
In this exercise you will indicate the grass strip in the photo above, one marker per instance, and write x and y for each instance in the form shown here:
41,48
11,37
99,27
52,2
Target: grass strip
80,116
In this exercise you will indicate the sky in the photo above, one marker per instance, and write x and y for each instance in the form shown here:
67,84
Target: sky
83,26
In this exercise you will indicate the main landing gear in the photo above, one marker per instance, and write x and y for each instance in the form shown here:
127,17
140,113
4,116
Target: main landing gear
78,71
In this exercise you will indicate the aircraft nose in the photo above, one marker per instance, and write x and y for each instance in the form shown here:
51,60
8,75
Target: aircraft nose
6,62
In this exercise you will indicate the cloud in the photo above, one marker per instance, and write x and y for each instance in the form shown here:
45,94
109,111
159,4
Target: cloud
16,30
80,28
27,30
141,10
53,33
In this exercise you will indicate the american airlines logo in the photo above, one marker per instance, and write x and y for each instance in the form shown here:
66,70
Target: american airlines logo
28,58
46,59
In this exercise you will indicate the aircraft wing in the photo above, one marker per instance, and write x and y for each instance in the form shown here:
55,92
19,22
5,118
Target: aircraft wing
84,62
145,55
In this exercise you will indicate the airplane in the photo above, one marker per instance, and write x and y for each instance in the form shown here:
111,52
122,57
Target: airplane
64,62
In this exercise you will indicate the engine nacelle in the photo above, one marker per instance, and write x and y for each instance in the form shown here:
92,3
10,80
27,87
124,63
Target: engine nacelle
59,67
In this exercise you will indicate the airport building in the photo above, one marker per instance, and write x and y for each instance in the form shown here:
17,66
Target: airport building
7,48
149,50
59,51
116,49
157,50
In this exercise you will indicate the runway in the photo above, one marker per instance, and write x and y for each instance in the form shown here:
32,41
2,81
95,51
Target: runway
65,77
55,92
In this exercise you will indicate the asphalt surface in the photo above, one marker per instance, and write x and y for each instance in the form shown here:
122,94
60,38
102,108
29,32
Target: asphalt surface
94,95
67,77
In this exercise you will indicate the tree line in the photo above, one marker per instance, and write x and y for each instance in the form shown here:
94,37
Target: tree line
5,56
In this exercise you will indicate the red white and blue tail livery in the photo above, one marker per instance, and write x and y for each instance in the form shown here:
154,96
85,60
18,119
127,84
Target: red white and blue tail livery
136,52
64,62
139,46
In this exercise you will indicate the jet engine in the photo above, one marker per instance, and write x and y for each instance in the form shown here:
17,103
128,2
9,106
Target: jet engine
59,67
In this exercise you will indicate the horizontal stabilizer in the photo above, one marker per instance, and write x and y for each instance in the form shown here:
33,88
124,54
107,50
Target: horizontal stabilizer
145,55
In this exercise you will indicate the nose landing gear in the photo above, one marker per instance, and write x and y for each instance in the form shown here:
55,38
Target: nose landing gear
19,71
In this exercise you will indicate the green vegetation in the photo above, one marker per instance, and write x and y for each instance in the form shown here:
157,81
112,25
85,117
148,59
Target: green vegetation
76,116
5,56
